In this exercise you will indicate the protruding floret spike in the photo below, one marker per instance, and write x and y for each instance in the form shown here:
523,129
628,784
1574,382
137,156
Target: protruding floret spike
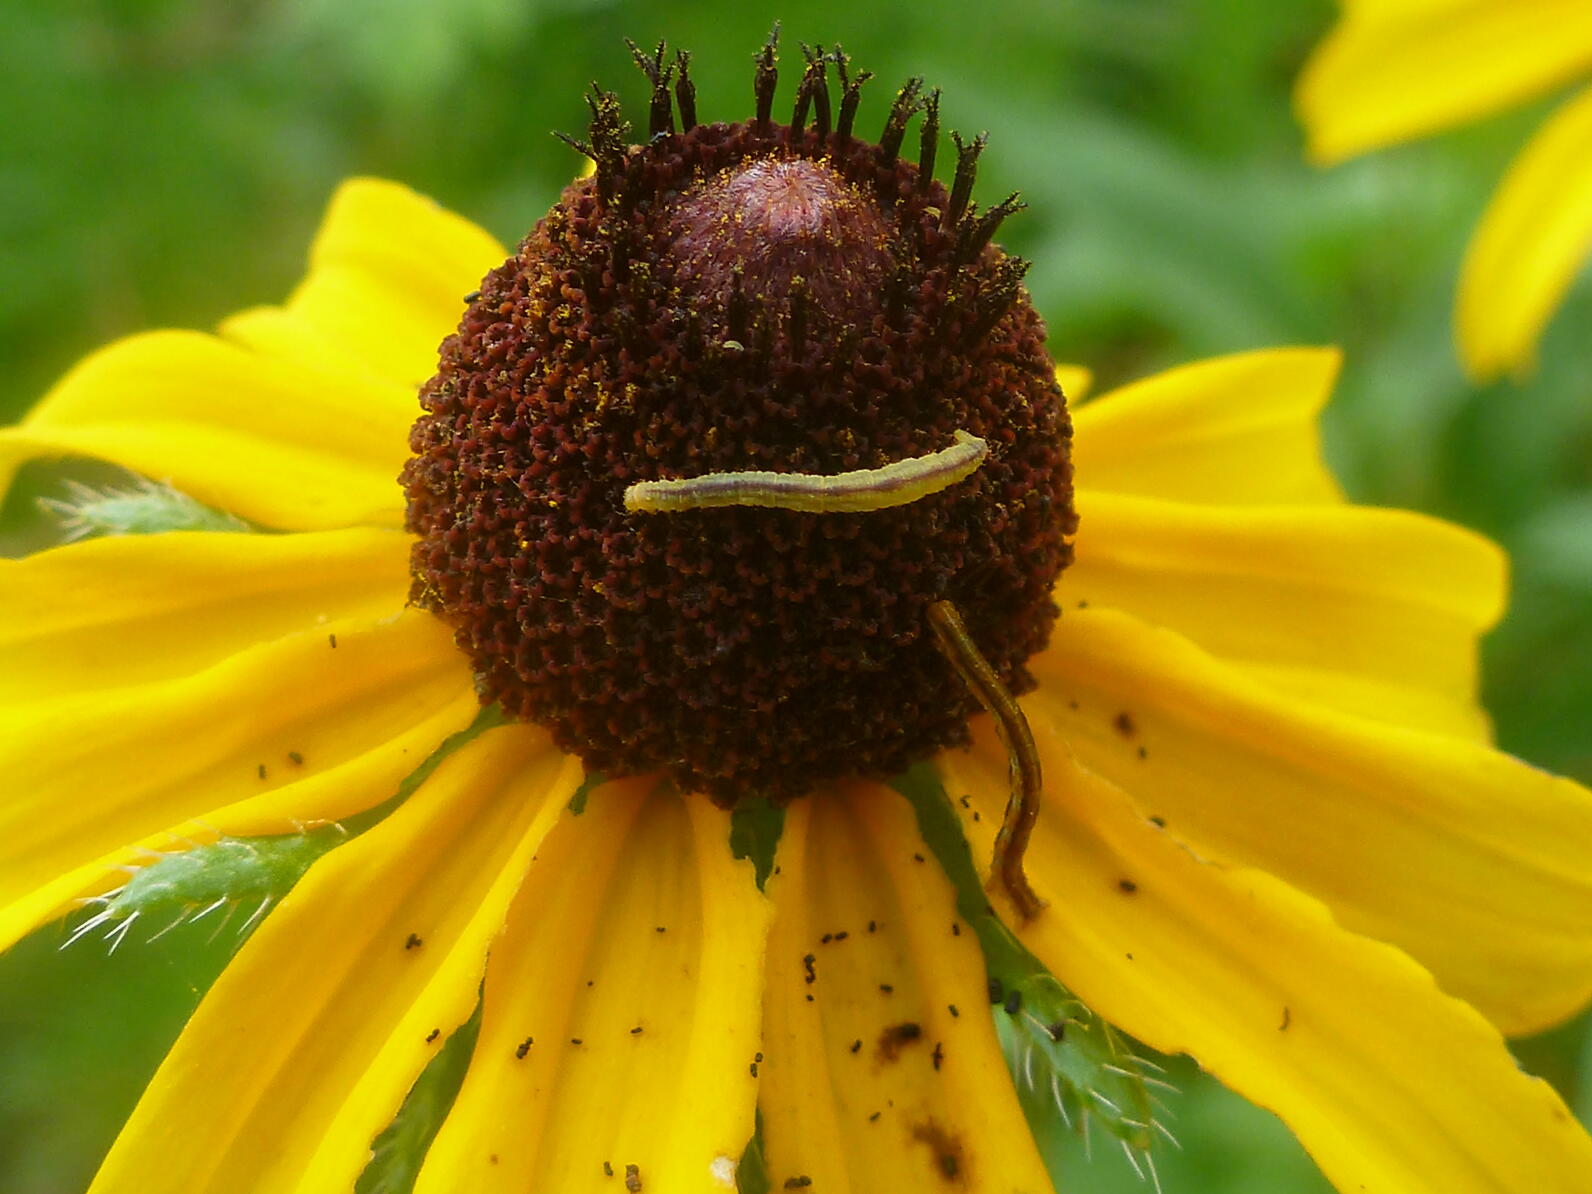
766,76
581,147
966,171
814,89
797,327
607,131
975,232
999,293
685,91
895,125
850,93
928,138
661,115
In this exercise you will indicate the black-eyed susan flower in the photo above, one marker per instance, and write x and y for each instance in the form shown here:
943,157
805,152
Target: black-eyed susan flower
1391,72
1273,831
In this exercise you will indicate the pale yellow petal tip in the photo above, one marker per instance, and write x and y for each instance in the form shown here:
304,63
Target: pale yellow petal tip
403,217
1529,248
1317,366
1322,148
1075,381
1492,338
362,190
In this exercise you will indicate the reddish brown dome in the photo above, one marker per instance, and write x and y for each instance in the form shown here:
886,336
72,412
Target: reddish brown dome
731,297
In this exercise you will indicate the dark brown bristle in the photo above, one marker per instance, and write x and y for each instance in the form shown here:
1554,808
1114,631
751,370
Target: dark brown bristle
607,130
928,138
966,172
660,116
766,76
895,125
974,233
1000,292
814,90
850,94
685,91
741,297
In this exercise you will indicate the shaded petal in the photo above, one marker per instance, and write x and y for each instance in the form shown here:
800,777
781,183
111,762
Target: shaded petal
1530,245
1468,858
621,1010
883,1071
1237,429
1374,612
1387,1082
388,274
117,611
311,727
1375,82
259,437
306,1045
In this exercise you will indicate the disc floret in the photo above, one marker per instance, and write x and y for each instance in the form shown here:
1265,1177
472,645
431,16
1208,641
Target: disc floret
739,300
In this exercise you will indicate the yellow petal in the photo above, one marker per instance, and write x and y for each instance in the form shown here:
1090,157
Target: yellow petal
1531,244
1390,1084
255,436
882,1071
620,1023
1375,612
1396,10
292,731
1465,857
1235,429
1075,381
305,1047
1379,81
117,611
388,274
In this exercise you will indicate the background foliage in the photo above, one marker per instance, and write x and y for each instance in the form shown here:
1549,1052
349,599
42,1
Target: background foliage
165,163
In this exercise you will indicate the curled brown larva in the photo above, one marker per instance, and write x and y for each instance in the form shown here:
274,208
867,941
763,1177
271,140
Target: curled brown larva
854,492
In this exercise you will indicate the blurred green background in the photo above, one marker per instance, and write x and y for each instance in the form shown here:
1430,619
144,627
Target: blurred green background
165,162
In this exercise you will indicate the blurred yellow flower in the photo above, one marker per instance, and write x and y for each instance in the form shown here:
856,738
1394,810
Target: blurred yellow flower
1393,70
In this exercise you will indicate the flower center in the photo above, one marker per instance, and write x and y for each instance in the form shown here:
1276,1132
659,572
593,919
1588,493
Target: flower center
727,302
772,225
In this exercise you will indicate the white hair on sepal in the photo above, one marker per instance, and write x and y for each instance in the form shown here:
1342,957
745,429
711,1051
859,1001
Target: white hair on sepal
1069,1063
143,507
189,883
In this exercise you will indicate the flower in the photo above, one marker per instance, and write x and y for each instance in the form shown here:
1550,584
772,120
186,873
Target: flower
1274,832
1390,72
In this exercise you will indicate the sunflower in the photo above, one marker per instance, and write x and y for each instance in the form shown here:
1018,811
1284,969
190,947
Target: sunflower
1390,72
1274,834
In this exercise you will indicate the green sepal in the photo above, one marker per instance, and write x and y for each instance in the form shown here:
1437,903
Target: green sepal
1070,1067
399,1152
142,508
755,828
